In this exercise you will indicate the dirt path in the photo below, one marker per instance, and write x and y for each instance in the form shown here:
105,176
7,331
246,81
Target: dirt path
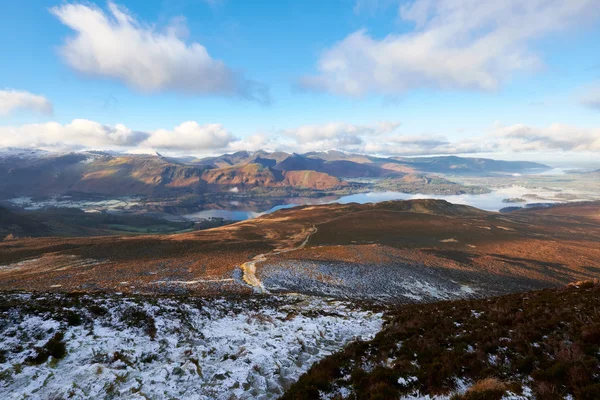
249,268
249,274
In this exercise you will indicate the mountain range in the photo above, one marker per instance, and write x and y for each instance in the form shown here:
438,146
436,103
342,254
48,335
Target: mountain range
38,173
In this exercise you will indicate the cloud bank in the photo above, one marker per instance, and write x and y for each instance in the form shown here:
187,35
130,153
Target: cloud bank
456,44
383,138
115,45
14,100
79,134
335,135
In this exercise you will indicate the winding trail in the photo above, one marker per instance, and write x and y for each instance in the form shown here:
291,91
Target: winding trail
249,268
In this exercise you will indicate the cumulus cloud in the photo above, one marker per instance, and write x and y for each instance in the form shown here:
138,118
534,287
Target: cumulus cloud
13,100
514,138
413,145
254,142
85,134
337,134
116,45
556,137
456,44
190,136
382,138
387,140
79,134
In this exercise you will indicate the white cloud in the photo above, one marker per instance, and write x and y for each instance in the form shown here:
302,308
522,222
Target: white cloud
190,136
13,100
252,143
516,138
456,44
79,134
556,137
85,134
386,139
337,135
116,45
383,138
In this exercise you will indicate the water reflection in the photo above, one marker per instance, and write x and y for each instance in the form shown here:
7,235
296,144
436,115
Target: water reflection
489,201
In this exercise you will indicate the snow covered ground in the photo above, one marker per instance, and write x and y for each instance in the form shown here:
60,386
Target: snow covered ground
159,348
401,282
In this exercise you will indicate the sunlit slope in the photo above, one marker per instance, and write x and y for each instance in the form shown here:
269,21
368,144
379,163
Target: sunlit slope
418,250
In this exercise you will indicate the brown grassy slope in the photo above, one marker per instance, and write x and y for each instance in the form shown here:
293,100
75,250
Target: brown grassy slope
144,263
555,246
312,180
546,340
551,248
143,175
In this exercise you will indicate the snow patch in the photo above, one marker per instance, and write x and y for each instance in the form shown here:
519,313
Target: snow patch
199,349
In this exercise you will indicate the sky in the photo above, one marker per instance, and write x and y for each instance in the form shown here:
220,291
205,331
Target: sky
505,79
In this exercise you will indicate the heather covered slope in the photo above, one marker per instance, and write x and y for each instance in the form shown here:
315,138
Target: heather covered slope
536,345
431,250
402,251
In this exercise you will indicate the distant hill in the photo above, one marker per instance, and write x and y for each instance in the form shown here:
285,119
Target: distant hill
123,175
99,174
312,180
441,164
39,173
18,225
74,222
338,168
470,166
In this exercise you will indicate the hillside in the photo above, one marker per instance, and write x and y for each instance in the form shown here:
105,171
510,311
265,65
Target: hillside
72,222
77,346
541,345
123,175
470,166
399,252
251,175
451,165
19,225
338,168
248,308
99,174
423,184
312,180
43,174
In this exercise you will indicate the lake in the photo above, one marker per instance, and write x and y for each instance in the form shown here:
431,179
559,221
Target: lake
488,201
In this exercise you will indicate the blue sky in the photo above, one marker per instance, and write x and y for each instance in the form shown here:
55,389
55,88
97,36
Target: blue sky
334,71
